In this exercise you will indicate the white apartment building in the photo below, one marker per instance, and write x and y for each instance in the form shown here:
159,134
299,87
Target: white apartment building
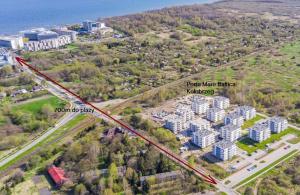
230,132
48,43
215,114
175,123
185,112
221,102
247,112
64,31
224,150
203,138
260,132
234,118
278,124
199,106
12,42
199,124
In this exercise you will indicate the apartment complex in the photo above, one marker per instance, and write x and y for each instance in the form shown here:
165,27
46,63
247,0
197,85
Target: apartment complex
247,112
203,138
224,150
11,42
278,124
230,132
215,114
199,124
260,131
185,112
234,118
199,106
175,123
221,102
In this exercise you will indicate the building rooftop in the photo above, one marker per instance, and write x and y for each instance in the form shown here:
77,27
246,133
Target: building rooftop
277,119
220,98
215,109
224,144
204,132
261,126
40,31
230,127
8,38
200,121
234,115
245,108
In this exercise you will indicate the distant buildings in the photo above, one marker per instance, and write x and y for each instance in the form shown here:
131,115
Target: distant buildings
64,31
92,26
199,124
247,112
230,132
260,131
199,106
215,114
11,42
203,138
224,150
175,123
42,39
221,102
278,124
5,57
234,118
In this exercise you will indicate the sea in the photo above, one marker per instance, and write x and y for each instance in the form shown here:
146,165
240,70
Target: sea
18,15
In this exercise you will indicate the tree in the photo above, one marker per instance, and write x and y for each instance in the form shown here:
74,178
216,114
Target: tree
80,189
108,191
46,111
135,120
6,71
249,191
113,171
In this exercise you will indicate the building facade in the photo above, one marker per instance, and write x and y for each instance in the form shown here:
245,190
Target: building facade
215,114
203,138
260,132
234,118
47,44
247,112
221,102
5,57
185,112
224,150
230,132
175,123
199,106
65,31
11,42
278,124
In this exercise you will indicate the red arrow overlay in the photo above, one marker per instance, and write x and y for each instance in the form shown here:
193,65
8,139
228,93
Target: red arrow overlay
206,178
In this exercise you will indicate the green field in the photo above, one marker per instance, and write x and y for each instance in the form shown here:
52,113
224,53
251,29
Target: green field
251,122
250,146
34,107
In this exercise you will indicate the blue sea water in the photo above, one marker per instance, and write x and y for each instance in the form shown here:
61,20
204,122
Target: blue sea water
17,15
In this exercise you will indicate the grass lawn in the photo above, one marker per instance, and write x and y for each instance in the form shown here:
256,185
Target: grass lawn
252,121
35,106
250,146
285,157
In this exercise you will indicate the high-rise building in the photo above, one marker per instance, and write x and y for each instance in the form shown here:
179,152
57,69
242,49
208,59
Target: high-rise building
260,131
221,102
230,132
199,106
215,114
185,112
247,112
278,124
203,138
199,124
234,118
224,150
175,123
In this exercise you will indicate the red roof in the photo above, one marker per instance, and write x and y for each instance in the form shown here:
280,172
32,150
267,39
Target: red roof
57,174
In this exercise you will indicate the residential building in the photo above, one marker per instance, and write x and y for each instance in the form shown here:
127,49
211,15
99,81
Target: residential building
199,106
224,150
48,43
215,114
221,102
185,112
234,118
230,132
260,131
203,138
91,26
5,57
65,31
278,124
247,112
175,123
199,124
11,42
57,174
